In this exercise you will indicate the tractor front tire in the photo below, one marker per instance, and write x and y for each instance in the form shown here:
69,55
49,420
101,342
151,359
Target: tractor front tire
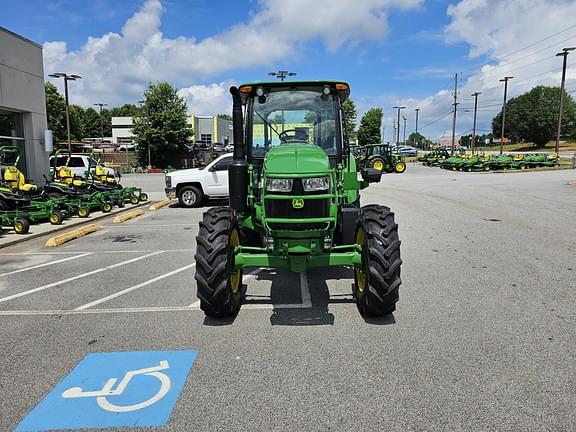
400,167
377,281
219,287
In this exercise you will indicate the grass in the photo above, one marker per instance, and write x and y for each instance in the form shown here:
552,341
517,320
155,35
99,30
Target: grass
529,147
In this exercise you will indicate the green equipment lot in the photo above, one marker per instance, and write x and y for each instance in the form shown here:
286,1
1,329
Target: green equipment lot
380,157
482,162
295,202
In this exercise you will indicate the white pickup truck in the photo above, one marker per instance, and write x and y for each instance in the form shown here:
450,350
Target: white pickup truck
191,186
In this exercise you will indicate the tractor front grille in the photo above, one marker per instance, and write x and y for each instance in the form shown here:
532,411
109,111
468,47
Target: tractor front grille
307,226
313,208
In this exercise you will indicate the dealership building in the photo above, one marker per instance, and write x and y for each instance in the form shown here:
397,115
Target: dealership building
23,102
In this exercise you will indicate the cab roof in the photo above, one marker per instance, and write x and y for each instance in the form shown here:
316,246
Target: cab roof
344,92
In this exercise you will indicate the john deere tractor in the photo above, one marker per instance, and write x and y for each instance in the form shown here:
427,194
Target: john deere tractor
294,201
381,157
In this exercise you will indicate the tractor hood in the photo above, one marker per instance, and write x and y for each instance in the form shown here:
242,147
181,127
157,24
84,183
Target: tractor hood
296,159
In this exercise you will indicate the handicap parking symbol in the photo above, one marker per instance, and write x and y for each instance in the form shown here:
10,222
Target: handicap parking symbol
137,389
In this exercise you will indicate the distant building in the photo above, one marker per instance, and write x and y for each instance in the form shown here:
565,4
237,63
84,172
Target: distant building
207,129
23,102
122,130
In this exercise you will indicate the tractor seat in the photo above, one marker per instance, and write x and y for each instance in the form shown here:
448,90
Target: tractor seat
16,179
103,175
67,176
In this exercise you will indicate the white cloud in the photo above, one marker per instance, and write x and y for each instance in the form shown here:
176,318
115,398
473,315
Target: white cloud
207,99
116,66
506,34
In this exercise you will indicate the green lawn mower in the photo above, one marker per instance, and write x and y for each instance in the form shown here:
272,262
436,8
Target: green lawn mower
295,201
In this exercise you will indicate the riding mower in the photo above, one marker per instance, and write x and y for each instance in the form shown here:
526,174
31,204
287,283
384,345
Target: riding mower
295,201
27,199
436,157
381,157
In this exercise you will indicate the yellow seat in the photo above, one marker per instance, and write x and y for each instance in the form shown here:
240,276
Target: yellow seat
15,178
67,176
103,176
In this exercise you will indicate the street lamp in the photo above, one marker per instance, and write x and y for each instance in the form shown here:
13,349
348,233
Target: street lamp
66,79
474,124
101,121
398,123
564,53
404,139
505,81
281,74
143,102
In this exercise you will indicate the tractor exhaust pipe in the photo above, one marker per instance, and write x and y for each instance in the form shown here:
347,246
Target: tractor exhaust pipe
238,169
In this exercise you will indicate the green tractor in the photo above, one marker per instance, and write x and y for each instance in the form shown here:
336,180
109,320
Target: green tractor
295,201
381,157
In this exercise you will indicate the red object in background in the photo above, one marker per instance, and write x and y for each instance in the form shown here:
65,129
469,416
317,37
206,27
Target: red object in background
154,171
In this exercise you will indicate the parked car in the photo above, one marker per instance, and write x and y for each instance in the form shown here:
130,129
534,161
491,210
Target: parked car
192,186
407,151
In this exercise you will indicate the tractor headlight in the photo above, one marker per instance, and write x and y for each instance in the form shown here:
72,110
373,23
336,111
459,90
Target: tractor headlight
279,185
315,184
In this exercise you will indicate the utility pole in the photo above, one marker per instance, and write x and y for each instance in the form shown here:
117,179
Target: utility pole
145,103
66,79
404,139
564,53
505,81
474,124
281,74
398,108
101,121
417,112
454,114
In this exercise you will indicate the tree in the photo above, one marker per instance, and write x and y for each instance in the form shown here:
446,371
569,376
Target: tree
416,139
163,125
91,123
349,121
533,116
55,111
370,125
77,122
225,116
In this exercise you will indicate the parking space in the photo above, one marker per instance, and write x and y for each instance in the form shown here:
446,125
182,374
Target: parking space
482,338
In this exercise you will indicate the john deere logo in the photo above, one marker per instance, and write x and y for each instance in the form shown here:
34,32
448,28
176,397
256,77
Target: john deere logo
298,203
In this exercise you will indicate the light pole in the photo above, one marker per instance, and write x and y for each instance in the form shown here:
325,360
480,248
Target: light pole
398,108
101,121
564,53
143,102
417,112
66,79
505,81
281,74
474,123
404,137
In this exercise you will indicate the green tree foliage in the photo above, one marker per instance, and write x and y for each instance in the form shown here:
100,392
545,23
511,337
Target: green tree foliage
370,125
56,111
225,116
163,125
416,139
91,123
349,121
533,116
76,122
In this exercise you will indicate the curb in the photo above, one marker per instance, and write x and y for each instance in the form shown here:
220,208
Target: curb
71,235
126,216
160,204
73,223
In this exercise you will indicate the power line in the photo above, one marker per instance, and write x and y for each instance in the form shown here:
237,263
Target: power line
436,121
540,41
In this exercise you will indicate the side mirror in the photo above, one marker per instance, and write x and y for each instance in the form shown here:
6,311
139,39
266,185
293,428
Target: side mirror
371,175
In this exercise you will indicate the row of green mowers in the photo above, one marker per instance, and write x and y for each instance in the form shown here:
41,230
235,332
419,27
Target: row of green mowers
481,162
64,195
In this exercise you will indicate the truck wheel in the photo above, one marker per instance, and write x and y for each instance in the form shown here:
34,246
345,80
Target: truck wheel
377,163
400,167
377,281
190,196
219,288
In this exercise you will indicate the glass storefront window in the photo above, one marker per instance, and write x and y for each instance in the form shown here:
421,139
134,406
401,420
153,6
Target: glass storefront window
11,134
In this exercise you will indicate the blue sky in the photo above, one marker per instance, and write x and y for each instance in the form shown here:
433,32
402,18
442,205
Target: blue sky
391,51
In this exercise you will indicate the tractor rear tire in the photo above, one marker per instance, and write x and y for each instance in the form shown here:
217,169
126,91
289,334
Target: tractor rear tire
378,163
377,282
219,288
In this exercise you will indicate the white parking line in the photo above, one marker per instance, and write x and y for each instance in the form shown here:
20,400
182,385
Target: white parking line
90,273
97,311
133,288
150,225
45,264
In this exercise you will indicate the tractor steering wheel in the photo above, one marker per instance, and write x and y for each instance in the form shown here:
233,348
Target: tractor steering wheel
298,136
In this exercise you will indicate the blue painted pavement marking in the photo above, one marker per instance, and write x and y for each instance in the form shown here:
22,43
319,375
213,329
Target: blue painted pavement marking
112,390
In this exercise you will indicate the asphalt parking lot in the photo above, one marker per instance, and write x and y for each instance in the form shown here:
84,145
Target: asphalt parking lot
483,338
